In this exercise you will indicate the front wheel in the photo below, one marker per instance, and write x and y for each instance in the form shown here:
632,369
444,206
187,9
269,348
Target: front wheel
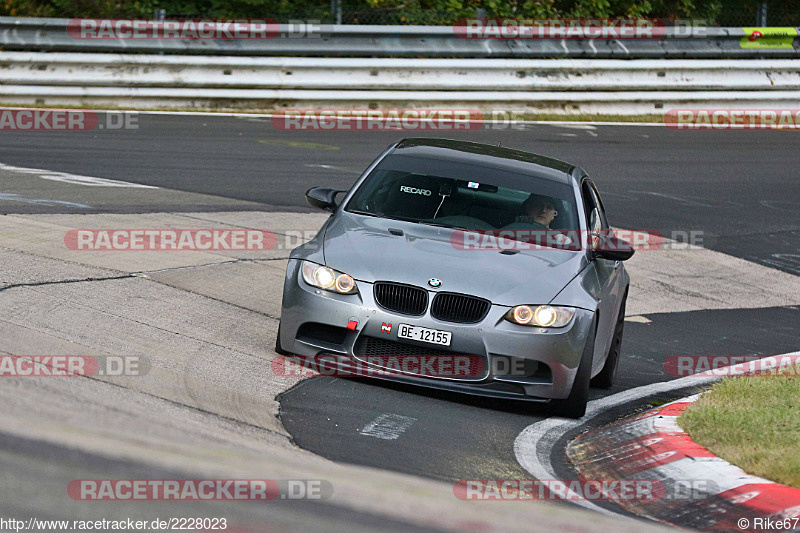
608,376
574,406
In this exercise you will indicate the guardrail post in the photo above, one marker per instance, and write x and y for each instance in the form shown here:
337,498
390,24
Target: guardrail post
761,15
160,14
336,11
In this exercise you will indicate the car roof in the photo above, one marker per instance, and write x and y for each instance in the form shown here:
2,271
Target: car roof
486,155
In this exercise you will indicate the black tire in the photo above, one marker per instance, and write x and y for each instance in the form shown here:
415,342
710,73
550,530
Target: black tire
278,348
574,406
608,376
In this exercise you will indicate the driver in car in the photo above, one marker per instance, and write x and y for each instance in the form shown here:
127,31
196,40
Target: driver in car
540,210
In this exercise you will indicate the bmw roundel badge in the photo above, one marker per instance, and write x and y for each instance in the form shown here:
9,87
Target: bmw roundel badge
435,282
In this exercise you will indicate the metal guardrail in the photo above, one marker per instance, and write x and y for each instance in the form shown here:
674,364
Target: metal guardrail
50,35
348,74
556,86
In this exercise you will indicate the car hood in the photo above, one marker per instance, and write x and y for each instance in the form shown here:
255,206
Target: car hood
363,247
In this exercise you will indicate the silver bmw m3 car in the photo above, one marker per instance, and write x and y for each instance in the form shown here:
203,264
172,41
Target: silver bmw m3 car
467,267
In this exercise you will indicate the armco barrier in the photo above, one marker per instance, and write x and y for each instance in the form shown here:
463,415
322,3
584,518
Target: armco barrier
557,86
50,35
131,70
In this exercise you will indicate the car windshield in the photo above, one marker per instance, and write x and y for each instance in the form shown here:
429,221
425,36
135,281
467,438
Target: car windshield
464,196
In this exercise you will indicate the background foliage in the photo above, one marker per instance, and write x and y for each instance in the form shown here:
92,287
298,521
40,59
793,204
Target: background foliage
718,12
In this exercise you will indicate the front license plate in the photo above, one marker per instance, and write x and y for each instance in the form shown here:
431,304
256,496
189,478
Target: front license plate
417,333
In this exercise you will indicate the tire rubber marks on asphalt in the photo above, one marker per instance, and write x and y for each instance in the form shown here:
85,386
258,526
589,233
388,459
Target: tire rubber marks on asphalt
679,199
790,262
388,426
74,179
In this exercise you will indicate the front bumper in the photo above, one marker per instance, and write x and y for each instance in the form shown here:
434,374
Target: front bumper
306,310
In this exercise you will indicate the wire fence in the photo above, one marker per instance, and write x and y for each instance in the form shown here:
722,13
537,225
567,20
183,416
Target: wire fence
351,15
776,16
357,14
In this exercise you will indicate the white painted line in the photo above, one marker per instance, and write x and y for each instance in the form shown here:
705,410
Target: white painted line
73,179
9,197
576,126
534,446
638,318
388,426
331,167
270,115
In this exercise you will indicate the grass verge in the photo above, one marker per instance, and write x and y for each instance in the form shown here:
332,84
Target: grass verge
752,422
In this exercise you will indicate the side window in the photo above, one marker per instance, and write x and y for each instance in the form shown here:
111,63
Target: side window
595,215
599,205
590,207
595,223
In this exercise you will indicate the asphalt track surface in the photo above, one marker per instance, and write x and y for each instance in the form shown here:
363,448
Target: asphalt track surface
31,459
738,188
455,437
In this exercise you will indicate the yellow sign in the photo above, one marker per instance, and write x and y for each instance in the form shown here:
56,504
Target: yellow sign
768,38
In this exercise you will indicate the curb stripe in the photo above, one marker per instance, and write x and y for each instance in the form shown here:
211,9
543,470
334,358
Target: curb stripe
661,450
534,447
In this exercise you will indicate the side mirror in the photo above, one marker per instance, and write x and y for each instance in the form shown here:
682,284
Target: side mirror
613,248
323,198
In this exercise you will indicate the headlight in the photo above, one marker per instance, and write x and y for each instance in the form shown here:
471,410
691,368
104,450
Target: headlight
328,278
543,316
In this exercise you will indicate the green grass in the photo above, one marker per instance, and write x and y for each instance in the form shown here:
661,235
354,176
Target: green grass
752,422
658,403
